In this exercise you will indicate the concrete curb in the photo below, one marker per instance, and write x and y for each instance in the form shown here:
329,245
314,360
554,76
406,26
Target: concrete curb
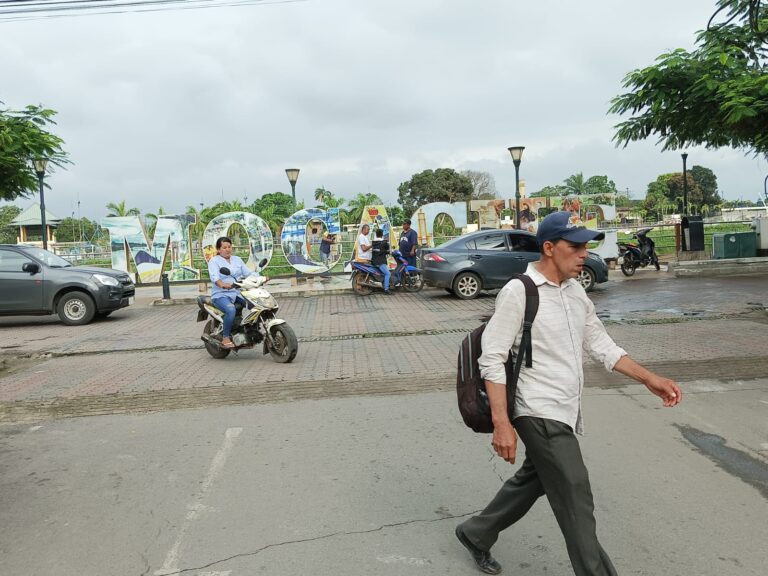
729,267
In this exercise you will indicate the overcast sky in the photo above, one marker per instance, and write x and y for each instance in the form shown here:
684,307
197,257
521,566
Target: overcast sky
176,108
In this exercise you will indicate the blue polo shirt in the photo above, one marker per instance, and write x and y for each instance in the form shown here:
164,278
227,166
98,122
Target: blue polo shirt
237,269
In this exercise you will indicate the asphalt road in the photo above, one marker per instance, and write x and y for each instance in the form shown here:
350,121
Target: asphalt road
354,477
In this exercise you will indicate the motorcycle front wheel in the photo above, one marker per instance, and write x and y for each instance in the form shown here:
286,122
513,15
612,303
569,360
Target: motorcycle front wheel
284,345
413,282
628,265
218,353
358,284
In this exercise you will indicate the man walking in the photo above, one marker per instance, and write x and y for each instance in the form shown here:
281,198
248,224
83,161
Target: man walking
407,242
547,404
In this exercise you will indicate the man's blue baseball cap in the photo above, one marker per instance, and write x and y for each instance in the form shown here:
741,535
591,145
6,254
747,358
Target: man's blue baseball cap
559,225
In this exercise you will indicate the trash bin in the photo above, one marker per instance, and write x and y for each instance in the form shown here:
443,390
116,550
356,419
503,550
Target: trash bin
693,233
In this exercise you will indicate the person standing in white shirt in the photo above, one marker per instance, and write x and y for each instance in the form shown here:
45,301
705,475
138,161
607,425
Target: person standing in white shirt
547,404
364,245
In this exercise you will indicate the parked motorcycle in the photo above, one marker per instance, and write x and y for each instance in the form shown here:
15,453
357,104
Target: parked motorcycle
254,323
633,256
366,278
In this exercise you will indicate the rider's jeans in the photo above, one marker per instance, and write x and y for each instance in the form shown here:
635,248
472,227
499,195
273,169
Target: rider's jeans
385,270
228,307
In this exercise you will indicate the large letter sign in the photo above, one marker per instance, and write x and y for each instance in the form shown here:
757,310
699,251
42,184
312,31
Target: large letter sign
128,238
423,220
259,236
301,236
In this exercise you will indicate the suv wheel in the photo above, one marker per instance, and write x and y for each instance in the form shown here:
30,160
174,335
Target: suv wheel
76,308
467,286
586,278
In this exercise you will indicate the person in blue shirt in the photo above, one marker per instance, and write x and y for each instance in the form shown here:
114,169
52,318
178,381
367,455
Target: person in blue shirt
407,243
223,292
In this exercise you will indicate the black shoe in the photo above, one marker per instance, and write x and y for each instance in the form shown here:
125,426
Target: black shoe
388,292
485,562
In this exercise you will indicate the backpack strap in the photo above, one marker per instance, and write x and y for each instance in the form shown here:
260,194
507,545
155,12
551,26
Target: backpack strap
526,342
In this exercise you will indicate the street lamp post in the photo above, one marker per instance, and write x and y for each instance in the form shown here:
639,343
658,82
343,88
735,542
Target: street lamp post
765,191
517,155
40,165
685,184
293,175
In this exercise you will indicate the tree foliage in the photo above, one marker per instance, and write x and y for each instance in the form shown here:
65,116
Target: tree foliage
441,185
707,181
23,139
577,184
8,233
120,209
716,95
76,230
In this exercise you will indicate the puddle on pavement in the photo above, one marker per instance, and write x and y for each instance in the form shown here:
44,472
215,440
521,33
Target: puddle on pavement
624,316
737,463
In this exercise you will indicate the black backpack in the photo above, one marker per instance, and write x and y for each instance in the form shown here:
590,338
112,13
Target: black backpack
470,386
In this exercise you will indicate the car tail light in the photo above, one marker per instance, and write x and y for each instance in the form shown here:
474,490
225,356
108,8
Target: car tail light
433,257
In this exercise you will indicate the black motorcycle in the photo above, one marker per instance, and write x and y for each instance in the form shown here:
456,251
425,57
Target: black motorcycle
633,256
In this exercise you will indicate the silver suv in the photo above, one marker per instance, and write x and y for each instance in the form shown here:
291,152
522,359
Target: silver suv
34,281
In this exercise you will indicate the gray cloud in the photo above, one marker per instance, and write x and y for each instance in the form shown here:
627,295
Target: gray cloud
172,108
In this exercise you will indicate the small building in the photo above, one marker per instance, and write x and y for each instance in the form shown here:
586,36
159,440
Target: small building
30,226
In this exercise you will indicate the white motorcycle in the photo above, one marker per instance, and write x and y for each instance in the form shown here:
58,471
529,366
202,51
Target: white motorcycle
253,324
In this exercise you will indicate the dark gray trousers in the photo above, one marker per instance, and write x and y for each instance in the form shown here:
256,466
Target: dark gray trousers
553,466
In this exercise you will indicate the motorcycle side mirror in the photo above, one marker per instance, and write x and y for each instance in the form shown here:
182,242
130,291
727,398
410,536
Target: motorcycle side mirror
226,271
263,263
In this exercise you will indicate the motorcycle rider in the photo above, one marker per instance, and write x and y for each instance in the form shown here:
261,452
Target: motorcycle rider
224,294
379,257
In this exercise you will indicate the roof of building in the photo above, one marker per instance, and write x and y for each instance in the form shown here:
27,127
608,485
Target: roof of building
31,217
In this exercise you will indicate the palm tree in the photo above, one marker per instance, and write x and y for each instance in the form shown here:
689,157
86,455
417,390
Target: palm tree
322,195
358,204
576,184
121,210
201,221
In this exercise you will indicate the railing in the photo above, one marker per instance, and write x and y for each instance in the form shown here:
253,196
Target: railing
662,234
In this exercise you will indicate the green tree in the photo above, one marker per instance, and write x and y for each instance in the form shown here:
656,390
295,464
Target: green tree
120,209
576,184
23,139
551,192
322,195
441,185
713,96
76,229
358,204
8,233
396,215
707,181
600,185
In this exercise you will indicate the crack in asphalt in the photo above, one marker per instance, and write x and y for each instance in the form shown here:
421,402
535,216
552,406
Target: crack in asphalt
316,538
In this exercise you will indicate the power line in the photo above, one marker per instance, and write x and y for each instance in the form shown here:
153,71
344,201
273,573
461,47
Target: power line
43,9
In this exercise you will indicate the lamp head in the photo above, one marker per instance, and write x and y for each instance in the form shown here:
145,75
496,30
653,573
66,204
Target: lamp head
293,174
517,154
40,164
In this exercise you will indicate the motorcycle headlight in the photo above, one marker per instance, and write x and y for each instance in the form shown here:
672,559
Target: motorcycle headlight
266,302
106,280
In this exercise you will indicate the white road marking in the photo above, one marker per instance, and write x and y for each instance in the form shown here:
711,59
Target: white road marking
171,563
34,428
225,573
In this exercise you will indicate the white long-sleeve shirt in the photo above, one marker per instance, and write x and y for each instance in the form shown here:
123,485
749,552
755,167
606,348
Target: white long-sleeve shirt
565,325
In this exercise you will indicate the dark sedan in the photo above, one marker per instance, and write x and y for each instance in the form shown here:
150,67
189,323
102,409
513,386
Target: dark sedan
487,259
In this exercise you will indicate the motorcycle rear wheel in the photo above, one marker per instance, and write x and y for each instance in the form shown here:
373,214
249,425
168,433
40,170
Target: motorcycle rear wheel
629,265
218,353
358,284
285,344
413,282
